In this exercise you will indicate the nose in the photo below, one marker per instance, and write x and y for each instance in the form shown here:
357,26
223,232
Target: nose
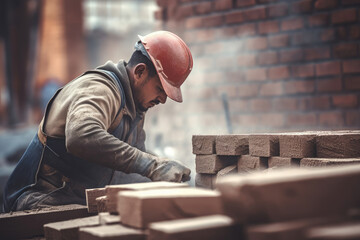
162,98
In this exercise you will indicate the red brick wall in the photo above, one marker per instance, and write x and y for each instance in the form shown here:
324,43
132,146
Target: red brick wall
284,65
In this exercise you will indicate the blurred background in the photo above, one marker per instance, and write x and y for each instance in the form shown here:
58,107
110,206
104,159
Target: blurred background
259,65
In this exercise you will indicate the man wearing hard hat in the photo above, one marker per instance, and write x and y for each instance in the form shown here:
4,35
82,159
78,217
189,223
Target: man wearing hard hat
92,133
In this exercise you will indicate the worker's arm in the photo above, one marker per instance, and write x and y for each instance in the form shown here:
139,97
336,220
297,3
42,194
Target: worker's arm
93,108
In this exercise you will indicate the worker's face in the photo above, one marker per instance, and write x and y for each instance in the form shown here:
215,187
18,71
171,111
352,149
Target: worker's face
147,91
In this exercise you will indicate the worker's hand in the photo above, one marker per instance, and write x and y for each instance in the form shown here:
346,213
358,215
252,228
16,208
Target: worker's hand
169,170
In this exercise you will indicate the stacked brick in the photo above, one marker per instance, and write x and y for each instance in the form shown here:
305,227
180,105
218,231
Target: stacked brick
223,154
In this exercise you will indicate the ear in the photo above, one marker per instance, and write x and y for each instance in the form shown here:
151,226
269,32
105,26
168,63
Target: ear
140,72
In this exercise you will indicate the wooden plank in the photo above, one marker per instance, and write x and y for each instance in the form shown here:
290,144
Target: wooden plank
26,224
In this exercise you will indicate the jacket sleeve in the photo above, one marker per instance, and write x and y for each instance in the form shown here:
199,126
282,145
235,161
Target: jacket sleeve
93,107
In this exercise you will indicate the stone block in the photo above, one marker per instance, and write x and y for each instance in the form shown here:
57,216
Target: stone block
324,162
338,145
211,164
204,180
264,145
203,144
91,195
232,145
297,145
247,163
283,162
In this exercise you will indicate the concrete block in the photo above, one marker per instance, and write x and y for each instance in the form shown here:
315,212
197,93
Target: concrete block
204,180
112,191
25,224
264,145
111,232
232,145
213,227
297,145
101,203
140,208
106,218
211,164
247,163
68,230
91,195
290,194
203,144
283,162
346,230
324,162
338,145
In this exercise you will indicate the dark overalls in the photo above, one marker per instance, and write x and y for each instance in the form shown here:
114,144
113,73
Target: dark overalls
65,183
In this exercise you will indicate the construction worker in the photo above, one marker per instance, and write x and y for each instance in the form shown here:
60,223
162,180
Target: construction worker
92,133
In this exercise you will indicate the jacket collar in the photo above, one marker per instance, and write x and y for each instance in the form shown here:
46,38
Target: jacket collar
120,70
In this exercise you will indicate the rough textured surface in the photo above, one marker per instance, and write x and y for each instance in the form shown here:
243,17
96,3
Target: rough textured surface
264,145
68,230
203,144
91,195
204,180
323,162
338,145
350,231
232,145
283,162
211,164
101,203
291,194
140,208
112,191
111,232
106,218
25,224
248,163
297,145
213,227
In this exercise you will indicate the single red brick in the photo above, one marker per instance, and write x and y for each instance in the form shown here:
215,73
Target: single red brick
279,40
344,16
328,68
257,43
246,60
203,7
268,27
292,24
268,120
317,20
278,10
234,17
303,86
353,118
291,55
285,104
280,72
354,32
221,5
316,53
191,23
256,74
271,89
329,85
260,105
304,37
317,103
327,35
301,119
345,50
248,90
305,70
213,21
352,83
245,3
335,119
303,6
246,30
267,58
254,13
325,4
184,12
351,66
345,101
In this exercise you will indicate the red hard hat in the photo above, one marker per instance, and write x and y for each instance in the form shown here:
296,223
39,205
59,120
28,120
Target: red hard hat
171,58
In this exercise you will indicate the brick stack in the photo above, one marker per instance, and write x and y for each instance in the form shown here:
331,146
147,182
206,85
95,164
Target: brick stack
255,152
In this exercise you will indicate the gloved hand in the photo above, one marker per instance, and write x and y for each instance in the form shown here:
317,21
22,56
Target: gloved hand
160,169
169,170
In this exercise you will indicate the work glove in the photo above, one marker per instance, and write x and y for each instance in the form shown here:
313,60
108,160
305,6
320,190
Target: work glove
160,169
